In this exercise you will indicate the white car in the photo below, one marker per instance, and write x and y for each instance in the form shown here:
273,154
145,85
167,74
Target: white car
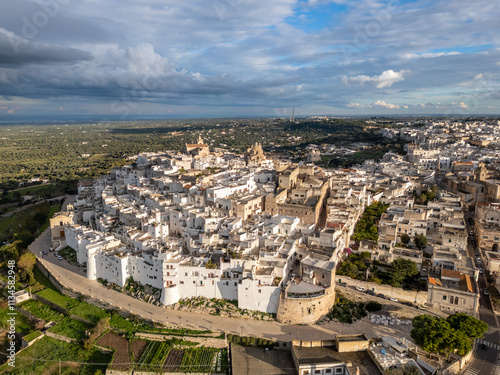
393,299
60,257
360,289
486,292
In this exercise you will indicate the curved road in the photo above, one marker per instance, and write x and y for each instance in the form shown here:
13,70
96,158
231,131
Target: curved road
73,278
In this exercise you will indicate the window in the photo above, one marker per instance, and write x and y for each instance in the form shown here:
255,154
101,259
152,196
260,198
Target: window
317,371
339,370
328,371
444,298
449,240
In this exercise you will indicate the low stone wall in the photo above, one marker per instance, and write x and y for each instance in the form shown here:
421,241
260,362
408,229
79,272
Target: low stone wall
29,315
60,309
59,337
402,295
458,365
210,342
119,372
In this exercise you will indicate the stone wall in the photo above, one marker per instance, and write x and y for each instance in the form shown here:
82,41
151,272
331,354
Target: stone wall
59,337
305,310
210,342
389,291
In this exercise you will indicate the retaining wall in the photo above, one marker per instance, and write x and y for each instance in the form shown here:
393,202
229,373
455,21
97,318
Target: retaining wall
389,291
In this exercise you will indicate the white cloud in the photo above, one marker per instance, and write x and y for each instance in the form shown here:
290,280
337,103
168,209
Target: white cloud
381,103
429,55
386,79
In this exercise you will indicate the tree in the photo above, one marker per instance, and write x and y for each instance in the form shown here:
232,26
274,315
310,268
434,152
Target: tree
11,251
25,266
405,238
469,325
349,269
400,270
437,335
420,241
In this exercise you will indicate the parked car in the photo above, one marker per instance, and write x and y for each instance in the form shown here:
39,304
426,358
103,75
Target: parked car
422,308
60,257
393,299
44,252
381,295
483,346
370,292
360,289
486,292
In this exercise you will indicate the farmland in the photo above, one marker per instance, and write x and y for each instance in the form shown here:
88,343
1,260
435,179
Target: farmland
154,356
121,358
200,360
42,311
71,328
43,358
137,348
57,298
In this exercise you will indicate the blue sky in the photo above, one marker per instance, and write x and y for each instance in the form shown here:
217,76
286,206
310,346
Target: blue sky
128,58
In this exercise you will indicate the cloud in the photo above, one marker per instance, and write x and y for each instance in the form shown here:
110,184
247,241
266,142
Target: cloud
386,79
429,55
381,103
232,56
15,50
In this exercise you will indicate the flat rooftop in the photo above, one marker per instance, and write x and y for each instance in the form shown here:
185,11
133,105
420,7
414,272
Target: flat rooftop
251,360
328,354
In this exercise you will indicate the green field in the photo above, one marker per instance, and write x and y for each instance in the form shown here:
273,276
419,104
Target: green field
22,323
57,298
71,328
32,336
42,311
42,358
89,312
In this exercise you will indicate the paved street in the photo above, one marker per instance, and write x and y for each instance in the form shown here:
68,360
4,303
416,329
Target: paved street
485,361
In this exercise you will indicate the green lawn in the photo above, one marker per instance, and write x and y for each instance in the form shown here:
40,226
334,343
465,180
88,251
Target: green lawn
42,311
22,323
44,355
57,298
90,312
120,323
71,328
32,336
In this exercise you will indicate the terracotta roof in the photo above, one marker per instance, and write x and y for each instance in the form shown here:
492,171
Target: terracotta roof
466,283
434,281
451,274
